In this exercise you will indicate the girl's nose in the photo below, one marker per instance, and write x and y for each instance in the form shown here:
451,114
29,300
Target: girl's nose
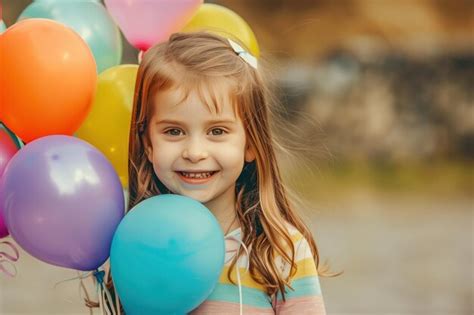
195,152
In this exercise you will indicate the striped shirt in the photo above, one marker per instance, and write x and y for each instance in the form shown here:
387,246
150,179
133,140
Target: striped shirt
305,299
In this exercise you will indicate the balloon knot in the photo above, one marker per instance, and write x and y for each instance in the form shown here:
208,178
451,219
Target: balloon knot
99,275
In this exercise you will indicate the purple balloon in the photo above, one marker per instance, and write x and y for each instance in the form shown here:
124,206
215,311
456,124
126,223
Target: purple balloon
8,148
62,202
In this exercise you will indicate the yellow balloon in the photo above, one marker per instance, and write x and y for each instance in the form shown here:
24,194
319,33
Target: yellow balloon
224,22
108,123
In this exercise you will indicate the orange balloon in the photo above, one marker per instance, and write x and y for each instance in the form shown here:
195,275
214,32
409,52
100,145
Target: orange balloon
47,79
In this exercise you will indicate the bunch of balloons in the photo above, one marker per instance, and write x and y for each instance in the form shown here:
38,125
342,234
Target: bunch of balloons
61,200
66,95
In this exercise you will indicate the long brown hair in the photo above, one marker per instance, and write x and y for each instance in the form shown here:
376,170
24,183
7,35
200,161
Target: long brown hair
198,62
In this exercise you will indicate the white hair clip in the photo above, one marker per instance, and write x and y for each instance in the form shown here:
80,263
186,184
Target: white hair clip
245,55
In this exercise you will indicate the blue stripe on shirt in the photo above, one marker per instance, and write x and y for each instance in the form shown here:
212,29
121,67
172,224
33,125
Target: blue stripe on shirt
307,286
230,293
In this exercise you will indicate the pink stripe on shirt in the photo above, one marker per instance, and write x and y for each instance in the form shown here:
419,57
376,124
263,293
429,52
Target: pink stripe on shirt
220,308
307,305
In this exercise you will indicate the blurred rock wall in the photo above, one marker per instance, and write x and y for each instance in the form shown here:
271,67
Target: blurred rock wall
384,80
393,108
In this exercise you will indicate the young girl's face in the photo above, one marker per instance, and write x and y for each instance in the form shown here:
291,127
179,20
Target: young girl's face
194,152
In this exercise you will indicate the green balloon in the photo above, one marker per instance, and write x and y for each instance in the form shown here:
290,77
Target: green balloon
2,27
90,20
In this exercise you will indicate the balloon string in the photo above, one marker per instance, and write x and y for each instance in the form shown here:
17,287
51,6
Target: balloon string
106,294
240,291
87,298
103,293
101,304
3,269
99,276
232,237
241,244
13,257
101,289
117,300
9,259
109,298
80,277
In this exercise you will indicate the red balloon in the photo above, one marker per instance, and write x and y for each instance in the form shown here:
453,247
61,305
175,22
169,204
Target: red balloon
8,148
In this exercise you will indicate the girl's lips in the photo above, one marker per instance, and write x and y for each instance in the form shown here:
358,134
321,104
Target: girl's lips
196,181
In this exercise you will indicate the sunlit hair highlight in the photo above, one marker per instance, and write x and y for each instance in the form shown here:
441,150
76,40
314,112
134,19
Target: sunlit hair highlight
206,64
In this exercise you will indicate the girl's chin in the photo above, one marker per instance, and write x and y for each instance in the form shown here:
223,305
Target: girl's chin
202,199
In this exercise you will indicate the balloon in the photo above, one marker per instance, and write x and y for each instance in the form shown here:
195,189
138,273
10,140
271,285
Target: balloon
90,20
2,26
8,148
16,141
224,22
145,23
3,228
167,255
108,125
47,81
62,202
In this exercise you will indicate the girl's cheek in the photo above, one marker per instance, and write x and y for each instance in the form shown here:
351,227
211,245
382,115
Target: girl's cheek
231,152
166,154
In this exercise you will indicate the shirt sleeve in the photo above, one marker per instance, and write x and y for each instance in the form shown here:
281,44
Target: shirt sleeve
307,297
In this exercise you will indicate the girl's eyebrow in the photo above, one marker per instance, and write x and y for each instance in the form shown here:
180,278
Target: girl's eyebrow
208,122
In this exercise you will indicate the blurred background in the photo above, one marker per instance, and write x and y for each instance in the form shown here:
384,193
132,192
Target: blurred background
381,94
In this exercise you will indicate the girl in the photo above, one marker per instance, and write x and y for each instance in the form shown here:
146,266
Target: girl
201,128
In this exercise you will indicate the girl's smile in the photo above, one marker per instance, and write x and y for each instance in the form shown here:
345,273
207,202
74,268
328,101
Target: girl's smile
196,178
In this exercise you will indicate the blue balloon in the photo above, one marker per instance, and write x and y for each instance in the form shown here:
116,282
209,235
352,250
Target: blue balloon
2,27
90,20
167,255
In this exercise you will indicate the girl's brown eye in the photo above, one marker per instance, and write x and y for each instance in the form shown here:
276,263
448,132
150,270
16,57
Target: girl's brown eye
220,131
173,132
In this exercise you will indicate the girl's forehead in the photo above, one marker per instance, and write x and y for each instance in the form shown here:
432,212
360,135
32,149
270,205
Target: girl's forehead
213,102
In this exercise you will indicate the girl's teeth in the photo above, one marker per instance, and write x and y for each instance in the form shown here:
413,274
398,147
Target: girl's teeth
196,175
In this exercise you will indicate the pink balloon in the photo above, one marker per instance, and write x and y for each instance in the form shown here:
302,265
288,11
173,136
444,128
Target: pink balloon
8,148
147,22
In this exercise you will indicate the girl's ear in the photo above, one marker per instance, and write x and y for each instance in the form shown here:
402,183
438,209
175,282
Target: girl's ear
148,150
149,153
249,154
